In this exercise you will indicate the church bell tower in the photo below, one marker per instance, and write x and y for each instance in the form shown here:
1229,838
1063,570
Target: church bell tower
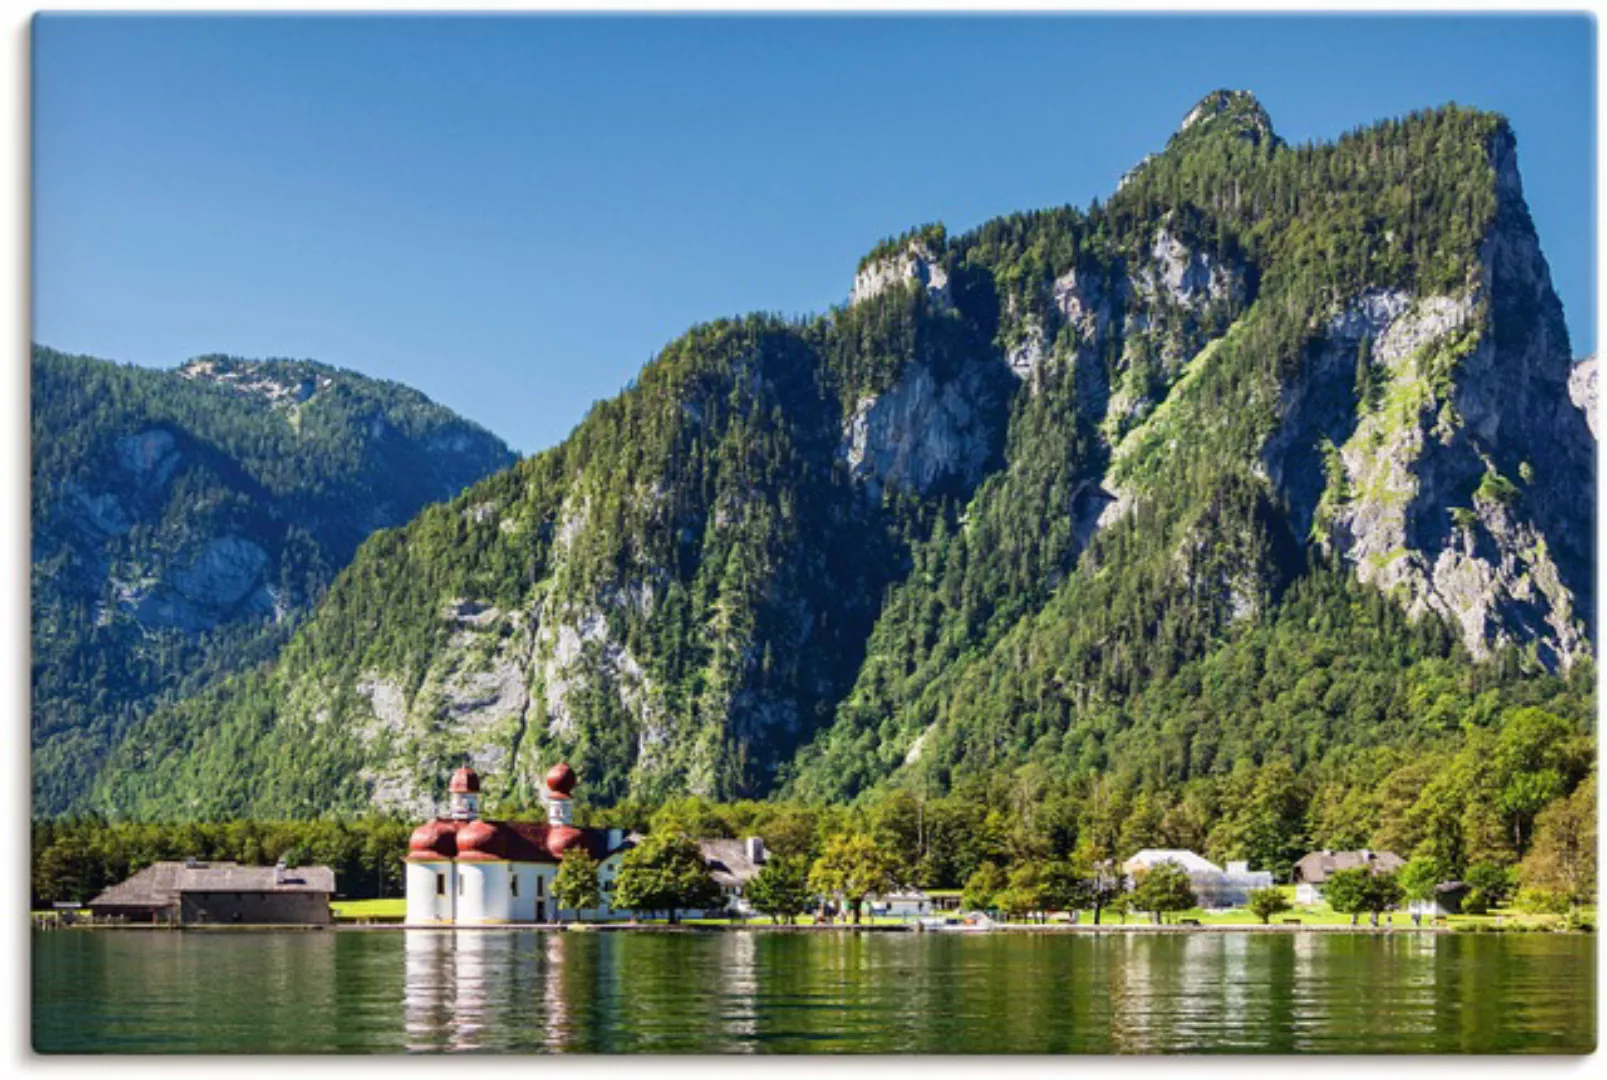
465,791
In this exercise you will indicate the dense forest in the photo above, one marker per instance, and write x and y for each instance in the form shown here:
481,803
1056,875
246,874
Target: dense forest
1243,512
1492,807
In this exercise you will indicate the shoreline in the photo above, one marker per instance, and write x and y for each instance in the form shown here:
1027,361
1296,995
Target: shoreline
1007,928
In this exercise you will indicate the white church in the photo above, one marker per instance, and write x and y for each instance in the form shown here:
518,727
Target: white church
463,870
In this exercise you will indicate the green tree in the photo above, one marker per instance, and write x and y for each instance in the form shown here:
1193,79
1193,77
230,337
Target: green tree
692,815
1496,882
575,886
1562,861
1023,895
982,888
1420,877
851,867
1265,903
1064,887
896,819
1347,892
63,871
1272,824
1383,892
1162,888
1101,877
665,872
790,830
1534,756
781,888
1141,826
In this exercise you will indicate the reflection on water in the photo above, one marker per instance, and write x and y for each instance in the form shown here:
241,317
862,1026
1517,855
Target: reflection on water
624,992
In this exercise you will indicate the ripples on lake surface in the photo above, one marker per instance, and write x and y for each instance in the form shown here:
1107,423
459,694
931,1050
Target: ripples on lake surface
141,991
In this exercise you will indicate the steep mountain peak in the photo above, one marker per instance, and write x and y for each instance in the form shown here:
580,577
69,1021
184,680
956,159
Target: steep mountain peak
1237,112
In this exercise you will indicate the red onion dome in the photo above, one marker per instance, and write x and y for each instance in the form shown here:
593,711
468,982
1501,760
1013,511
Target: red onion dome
476,836
465,781
561,779
562,838
433,840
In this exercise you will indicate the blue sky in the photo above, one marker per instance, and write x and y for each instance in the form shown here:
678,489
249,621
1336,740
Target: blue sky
514,214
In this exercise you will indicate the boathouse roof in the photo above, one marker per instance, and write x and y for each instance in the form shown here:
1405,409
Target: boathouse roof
161,884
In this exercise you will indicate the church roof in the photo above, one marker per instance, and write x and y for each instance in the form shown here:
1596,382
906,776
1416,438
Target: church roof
483,840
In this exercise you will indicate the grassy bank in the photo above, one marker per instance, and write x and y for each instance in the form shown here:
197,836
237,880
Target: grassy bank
1316,915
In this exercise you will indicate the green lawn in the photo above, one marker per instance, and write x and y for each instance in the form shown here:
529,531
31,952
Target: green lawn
391,908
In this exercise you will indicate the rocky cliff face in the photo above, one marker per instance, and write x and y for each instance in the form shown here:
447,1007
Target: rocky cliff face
915,262
1582,389
920,433
1452,456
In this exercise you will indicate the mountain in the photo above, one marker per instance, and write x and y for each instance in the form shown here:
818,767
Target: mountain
1271,453
184,521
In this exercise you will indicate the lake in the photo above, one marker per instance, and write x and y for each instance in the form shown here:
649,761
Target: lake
389,991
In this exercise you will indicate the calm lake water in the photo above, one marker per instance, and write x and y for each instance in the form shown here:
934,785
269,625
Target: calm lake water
641,992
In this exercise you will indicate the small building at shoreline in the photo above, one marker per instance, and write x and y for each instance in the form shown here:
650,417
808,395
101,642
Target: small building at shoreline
900,904
1447,900
196,893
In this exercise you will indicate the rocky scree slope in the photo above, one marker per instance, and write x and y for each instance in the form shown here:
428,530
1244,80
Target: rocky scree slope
184,520
1024,482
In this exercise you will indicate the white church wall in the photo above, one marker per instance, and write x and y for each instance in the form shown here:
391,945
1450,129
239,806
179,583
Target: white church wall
546,906
431,892
522,892
484,894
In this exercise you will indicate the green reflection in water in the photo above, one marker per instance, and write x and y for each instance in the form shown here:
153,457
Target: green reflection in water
645,992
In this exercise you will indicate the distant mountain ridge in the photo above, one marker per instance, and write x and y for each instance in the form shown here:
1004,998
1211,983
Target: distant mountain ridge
1066,492
183,521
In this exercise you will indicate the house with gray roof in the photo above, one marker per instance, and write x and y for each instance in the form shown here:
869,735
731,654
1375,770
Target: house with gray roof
1313,870
732,864
195,893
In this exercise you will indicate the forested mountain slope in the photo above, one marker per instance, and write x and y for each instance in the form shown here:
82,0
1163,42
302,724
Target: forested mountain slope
1038,494
184,520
